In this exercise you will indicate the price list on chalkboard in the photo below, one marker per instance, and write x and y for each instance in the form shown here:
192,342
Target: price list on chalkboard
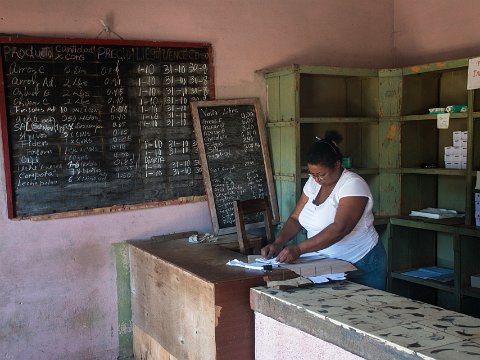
235,154
101,125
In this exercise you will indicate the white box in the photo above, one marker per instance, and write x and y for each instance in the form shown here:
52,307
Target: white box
448,165
457,135
457,165
475,281
464,143
448,158
454,150
463,151
477,196
457,142
449,150
464,164
464,135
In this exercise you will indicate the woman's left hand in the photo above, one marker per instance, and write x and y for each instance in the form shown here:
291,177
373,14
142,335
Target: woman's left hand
289,254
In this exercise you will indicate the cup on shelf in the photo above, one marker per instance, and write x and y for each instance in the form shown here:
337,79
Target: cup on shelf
347,162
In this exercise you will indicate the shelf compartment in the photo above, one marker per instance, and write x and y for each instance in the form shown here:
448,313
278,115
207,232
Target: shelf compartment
468,262
476,101
433,89
475,139
360,141
470,305
471,291
425,282
436,191
338,96
422,142
413,247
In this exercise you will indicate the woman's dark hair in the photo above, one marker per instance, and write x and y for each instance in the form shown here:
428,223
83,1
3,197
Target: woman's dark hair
325,151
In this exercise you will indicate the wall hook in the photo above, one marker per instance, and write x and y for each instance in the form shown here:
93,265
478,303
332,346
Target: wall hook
106,29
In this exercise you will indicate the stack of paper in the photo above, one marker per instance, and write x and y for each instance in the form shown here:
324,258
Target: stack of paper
252,265
432,273
436,213
307,265
326,278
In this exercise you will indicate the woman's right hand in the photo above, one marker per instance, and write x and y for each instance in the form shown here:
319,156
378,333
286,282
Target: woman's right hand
271,250
289,230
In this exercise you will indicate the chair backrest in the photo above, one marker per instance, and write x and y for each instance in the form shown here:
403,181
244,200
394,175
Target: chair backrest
252,206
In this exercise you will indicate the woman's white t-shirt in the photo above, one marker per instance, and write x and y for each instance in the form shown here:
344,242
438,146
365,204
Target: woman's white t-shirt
314,219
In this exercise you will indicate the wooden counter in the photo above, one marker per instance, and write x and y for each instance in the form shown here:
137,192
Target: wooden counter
188,304
344,320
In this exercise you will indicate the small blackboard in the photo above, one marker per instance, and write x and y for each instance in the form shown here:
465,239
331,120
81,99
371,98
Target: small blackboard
232,145
100,125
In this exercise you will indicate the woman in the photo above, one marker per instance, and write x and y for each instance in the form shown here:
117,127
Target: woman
336,210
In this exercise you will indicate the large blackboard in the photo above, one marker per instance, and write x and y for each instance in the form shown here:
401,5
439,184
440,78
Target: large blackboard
90,124
233,149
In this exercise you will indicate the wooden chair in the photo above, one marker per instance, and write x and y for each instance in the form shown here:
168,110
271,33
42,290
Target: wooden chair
252,206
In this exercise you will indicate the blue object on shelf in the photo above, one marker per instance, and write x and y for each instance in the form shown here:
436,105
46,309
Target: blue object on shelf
432,273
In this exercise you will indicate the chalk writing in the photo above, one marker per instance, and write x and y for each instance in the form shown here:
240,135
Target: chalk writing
101,125
234,154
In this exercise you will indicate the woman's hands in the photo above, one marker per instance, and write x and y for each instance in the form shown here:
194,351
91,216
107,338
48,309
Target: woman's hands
289,230
271,250
289,254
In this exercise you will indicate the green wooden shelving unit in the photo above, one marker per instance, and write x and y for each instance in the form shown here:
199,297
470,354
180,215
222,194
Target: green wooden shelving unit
383,116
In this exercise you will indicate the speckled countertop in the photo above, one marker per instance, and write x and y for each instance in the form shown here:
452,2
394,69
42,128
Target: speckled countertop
371,323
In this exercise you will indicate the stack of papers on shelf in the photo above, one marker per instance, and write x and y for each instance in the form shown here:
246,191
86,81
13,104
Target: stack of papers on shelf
432,273
436,213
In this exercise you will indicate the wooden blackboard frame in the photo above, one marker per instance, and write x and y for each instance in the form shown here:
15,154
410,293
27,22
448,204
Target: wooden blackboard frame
205,164
5,40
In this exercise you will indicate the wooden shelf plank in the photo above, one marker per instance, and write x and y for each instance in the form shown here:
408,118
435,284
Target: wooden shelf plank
421,171
451,226
471,291
343,119
431,117
430,283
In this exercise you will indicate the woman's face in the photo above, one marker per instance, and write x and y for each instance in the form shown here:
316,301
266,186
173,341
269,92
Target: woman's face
322,174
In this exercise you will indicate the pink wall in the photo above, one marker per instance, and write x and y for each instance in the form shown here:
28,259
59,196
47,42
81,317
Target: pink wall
432,30
57,277
277,341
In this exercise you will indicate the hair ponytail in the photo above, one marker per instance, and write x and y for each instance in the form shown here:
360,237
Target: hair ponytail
325,150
